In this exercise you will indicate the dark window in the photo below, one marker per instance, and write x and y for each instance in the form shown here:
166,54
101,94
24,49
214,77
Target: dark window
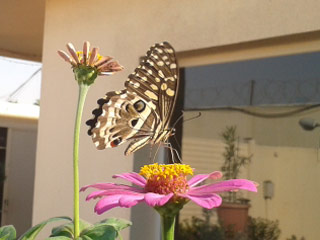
3,144
287,80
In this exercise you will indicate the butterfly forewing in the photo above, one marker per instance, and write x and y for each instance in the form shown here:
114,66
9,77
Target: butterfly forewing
140,113
156,80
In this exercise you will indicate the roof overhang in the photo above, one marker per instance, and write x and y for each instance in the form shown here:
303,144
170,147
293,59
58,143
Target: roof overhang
21,29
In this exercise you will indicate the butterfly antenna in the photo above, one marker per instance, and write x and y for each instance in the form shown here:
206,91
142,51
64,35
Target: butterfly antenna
192,118
179,118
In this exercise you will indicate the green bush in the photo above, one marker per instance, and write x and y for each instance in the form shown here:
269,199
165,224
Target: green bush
203,229
261,228
293,237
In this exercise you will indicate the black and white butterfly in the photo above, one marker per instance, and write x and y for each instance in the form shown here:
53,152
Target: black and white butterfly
140,113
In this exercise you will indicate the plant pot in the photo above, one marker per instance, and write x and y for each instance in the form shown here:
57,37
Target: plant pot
234,216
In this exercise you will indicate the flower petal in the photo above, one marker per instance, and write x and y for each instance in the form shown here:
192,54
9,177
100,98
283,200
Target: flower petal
103,193
86,49
66,57
93,56
133,177
107,203
120,200
205,200
95,194
108,186
155,199
106,73
73,52
130,200
110,67
201,177
225,186
99,64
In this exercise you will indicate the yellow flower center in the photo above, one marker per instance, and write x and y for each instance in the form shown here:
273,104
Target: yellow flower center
166,178
80,56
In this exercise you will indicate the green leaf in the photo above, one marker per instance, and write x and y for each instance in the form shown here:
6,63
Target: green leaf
100,232
67,229
84,238
7,233
59,238
34,231
117,223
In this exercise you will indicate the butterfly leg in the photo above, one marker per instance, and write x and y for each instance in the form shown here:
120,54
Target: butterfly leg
173,150
150,153
156,153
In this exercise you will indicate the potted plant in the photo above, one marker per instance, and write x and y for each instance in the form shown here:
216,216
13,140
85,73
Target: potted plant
233,213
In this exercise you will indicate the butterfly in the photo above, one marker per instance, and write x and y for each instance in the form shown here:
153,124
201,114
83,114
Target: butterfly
141,112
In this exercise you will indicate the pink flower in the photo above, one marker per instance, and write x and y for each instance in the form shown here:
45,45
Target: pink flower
157,185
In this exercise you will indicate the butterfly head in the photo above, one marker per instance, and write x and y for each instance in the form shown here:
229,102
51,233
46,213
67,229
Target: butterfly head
172,132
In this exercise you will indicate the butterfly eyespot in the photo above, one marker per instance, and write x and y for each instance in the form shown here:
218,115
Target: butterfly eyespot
127,107
134,122
139,106
116,142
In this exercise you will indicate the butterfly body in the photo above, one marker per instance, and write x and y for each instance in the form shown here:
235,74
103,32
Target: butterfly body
141,112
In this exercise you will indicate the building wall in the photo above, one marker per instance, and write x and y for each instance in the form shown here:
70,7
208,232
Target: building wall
125,29
20,167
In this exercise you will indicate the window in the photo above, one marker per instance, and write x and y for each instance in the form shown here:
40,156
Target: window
264,99
3,145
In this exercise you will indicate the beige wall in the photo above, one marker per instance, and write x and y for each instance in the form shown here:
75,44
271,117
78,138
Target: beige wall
125,29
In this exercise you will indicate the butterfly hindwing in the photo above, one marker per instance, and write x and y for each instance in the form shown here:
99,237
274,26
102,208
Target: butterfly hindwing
119,117
140,113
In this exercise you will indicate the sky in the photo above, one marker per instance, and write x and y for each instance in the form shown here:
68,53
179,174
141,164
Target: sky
15,73
20,84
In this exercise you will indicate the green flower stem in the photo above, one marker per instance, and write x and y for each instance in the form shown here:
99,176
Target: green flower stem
83,90
167,227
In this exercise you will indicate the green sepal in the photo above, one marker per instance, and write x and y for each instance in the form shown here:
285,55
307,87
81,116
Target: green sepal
34,231
171,209
67,230
85,74
7,233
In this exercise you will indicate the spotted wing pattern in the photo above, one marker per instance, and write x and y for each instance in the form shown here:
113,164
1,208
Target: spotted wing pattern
140,113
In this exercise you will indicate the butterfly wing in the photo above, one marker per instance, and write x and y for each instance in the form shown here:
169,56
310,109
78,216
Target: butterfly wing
157,79
142,110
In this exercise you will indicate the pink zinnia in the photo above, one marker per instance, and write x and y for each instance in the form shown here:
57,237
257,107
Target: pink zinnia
157,185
